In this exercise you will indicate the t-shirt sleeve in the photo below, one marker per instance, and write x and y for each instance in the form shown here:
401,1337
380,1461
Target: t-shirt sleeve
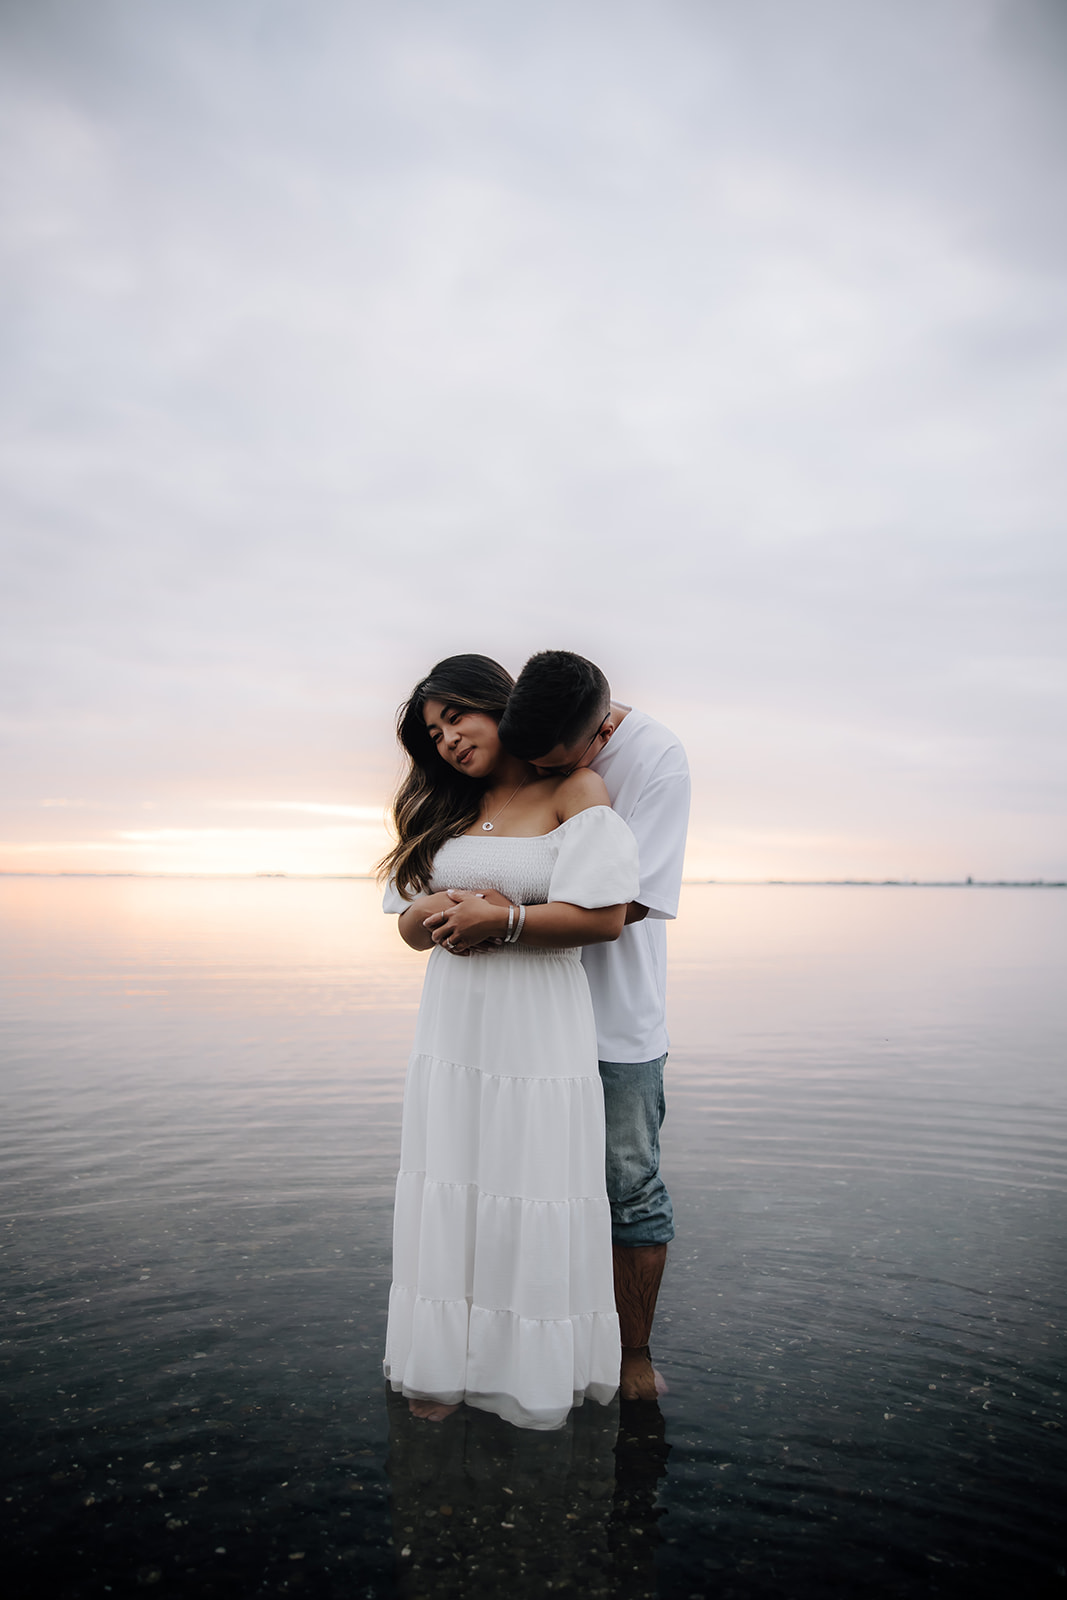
659,821
597,861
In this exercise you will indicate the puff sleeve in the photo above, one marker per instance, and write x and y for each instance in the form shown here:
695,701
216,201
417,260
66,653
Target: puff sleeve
597,861
392,900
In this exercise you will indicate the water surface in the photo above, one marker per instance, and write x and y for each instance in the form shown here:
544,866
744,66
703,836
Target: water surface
862,1321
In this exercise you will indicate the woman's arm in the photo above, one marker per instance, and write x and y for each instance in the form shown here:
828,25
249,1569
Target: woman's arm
560,926
470,919
586,788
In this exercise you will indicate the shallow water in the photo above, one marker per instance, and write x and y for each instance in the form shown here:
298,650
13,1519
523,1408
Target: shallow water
862,1321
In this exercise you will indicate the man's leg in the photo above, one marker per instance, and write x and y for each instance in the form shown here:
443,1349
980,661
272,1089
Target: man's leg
642,1218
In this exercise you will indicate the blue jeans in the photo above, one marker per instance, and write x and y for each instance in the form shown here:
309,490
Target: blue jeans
634,1108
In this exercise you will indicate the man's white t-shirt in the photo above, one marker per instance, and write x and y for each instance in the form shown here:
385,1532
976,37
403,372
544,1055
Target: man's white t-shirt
647,778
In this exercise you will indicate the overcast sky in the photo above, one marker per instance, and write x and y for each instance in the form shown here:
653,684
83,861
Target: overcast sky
724,342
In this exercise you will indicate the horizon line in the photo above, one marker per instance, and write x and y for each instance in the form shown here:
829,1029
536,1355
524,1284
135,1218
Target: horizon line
725,883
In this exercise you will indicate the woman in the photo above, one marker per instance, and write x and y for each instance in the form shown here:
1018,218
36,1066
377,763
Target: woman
502,1283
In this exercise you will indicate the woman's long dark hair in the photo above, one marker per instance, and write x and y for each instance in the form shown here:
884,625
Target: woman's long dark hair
435,802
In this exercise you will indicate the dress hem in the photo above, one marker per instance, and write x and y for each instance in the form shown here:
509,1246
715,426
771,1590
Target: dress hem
508,1408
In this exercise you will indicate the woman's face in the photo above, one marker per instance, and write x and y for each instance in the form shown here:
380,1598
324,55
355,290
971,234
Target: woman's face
467,740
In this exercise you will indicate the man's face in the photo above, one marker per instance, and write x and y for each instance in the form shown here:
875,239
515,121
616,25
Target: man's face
563,759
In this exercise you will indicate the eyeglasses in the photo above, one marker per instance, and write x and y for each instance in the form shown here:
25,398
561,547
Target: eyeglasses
565,772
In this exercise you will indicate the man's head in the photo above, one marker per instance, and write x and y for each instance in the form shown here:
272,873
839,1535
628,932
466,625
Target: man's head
558,713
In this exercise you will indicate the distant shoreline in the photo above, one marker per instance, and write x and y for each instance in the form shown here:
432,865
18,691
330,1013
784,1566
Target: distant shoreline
879,883
689,883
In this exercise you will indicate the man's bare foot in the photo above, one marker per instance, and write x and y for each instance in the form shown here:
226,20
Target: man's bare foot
430,1410
639,1379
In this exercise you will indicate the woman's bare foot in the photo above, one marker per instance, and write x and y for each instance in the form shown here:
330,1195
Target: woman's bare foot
430,1410
639,1379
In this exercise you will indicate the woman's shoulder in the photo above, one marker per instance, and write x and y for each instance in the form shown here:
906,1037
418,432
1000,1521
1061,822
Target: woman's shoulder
580,792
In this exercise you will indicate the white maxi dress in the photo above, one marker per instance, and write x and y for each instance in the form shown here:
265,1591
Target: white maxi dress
502,1289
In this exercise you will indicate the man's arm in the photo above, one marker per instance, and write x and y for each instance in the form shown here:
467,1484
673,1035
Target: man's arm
658,822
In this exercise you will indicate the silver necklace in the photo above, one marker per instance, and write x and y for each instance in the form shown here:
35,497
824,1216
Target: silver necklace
487,827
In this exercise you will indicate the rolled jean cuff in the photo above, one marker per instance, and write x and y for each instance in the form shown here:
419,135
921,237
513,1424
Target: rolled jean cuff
634,1108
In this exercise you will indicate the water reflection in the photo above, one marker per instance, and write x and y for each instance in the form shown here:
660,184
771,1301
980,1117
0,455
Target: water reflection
482,1507
862,1318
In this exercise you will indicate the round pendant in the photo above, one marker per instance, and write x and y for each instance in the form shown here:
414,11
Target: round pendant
487,827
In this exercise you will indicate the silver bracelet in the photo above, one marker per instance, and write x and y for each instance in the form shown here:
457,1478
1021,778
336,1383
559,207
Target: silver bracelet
511,924
518,931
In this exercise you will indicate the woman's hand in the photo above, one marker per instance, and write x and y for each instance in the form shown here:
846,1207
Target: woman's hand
411,921
472,921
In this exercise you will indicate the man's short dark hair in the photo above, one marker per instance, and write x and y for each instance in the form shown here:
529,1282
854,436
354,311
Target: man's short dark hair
557,698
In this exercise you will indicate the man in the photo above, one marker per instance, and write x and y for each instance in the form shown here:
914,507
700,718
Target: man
560,716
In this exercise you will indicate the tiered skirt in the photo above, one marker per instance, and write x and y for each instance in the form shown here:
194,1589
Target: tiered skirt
502,1283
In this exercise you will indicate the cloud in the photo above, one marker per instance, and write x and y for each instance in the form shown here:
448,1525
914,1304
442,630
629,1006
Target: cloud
312,808
725,344
324,851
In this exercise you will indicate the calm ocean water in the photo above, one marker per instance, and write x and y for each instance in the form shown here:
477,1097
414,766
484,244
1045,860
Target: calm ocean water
862,1322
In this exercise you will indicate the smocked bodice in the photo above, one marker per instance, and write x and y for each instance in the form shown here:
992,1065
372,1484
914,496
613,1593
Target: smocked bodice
589,860
521,869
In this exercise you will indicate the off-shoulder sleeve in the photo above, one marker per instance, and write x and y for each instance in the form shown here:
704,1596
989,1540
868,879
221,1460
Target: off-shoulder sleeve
392,899
597,861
